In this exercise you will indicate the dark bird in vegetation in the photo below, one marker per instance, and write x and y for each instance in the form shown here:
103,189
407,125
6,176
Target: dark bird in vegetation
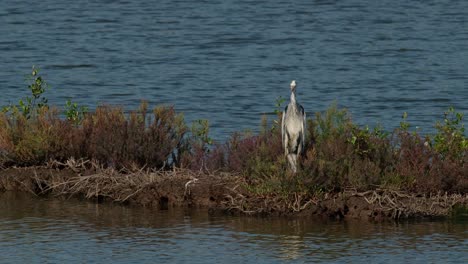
293,129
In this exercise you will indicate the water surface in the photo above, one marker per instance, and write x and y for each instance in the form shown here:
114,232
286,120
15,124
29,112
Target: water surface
228,61
37,230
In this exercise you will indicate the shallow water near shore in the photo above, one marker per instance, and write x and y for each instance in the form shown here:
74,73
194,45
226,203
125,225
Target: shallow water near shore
39,230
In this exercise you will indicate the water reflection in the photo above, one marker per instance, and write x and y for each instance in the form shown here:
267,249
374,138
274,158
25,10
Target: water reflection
58,230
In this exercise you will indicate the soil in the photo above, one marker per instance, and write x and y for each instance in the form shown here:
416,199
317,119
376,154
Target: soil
221,193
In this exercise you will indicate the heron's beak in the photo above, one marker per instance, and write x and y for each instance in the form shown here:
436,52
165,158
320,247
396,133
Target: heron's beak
293,86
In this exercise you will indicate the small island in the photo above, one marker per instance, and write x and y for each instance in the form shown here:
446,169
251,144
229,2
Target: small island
151,157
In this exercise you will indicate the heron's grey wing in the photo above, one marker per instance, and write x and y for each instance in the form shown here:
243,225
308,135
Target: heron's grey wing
283,124
304,124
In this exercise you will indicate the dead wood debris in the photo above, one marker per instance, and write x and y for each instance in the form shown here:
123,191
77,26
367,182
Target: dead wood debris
397,204
87,178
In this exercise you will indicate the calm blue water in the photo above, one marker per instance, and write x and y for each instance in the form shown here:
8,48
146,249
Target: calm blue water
228,61
34,230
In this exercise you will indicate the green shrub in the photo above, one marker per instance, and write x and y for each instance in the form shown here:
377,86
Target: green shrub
450,140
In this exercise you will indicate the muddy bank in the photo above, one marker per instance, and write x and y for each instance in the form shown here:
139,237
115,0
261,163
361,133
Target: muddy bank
221,193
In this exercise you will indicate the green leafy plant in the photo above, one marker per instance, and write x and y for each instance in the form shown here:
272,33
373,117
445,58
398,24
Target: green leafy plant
31,105
331,123
278,110
200,131
363,140
404,124
450,139
195,151
279,105
75,113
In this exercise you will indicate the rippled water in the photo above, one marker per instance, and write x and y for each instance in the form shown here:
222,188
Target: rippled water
36,230
229,60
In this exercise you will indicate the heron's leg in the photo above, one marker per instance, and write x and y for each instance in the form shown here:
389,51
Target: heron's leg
295,162
299,149
300,144
290,161
285,144
292,158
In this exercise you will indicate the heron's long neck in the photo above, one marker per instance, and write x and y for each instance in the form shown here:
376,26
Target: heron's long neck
293,98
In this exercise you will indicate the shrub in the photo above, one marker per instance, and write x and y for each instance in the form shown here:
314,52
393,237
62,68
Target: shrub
107,136
120,141
428,165
31,141
196,153
29,106
450,140
342,155
75,113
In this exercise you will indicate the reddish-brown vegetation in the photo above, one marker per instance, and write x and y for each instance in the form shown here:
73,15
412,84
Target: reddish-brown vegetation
107,136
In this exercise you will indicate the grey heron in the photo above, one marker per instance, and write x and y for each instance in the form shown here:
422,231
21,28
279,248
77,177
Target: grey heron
293,126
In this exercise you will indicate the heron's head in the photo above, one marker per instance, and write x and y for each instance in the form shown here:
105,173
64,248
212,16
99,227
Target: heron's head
293,86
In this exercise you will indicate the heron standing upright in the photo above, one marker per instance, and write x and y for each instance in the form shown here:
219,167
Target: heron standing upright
293,126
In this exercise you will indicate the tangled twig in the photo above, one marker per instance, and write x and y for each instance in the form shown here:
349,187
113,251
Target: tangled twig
400,204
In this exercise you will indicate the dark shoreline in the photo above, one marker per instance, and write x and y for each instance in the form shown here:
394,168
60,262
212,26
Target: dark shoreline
223,193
